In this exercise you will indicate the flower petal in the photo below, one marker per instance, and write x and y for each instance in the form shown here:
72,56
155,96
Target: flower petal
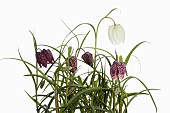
120,33
111,33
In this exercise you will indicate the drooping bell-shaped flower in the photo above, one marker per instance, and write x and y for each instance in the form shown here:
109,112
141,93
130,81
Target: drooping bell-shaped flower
44,57
73,64
48,55
118,69
88,58
41,59
116,34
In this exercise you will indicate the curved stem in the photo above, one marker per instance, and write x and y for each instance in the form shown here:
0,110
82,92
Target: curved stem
96,32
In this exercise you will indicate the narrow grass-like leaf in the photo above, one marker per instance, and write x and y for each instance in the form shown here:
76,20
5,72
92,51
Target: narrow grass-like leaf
50,102
24,62
43,77
77,27
103,51
28,64
82,43
45,96
45,87
79,81
34,40
34,100
100,101
72,33
86,91
130,77
139,93
133,49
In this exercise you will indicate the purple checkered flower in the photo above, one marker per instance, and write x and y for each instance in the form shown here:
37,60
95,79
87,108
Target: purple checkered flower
48,56
73,64
41,59
88,58
44,57
118,69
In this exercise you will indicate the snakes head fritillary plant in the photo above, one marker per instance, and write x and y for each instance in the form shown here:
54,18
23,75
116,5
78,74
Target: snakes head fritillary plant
62,86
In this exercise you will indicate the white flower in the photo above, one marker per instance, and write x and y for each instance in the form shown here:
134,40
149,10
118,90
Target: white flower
116,34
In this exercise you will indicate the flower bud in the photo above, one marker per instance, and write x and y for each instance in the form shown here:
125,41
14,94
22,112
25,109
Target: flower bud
88,58
117,90
73,64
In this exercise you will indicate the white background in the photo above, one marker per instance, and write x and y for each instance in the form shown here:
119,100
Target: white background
143,20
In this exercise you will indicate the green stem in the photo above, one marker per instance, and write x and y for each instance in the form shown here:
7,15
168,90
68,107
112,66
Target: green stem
120,104
95,51
36,88
66,88
96,32
36,93
120,97
56,75
56,93
113,96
